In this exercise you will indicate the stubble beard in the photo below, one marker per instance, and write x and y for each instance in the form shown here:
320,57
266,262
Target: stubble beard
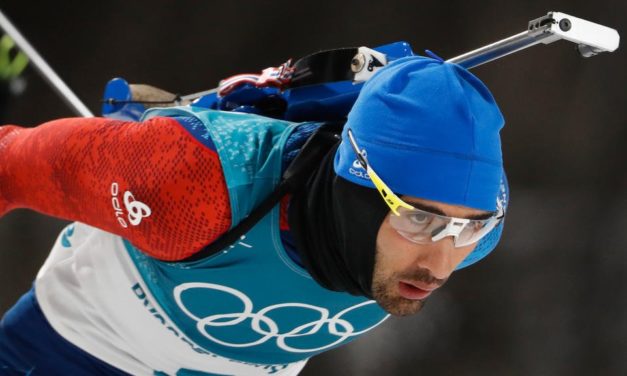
385,293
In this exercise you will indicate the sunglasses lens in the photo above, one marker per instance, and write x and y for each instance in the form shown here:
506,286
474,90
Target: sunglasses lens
475,231
423,227
416,225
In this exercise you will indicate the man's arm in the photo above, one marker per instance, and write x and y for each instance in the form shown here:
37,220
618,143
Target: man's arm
152,182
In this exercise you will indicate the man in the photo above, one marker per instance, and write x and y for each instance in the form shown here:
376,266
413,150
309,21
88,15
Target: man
414,191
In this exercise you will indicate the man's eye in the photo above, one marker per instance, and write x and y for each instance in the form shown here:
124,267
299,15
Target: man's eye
477,225
419,219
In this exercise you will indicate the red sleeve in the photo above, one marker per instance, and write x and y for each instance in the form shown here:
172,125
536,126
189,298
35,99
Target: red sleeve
152,182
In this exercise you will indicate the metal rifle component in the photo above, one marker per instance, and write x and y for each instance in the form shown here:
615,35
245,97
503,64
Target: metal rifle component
44,69
591,39
366,63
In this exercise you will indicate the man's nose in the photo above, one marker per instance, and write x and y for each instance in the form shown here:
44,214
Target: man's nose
439,257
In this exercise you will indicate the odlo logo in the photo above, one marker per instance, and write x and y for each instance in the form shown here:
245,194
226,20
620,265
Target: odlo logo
136,210
358,170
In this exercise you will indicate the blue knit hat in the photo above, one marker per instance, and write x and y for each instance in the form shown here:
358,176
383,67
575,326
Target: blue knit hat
430,130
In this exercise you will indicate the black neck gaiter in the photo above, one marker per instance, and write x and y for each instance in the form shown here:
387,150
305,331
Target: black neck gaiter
335,225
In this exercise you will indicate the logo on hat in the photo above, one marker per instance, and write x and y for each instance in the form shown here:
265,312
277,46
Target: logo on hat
358,170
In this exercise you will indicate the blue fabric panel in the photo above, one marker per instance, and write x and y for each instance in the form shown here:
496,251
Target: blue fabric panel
197,129
30,346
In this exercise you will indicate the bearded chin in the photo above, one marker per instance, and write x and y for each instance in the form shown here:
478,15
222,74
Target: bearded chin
386,295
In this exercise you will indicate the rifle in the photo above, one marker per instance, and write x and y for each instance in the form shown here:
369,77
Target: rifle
321,86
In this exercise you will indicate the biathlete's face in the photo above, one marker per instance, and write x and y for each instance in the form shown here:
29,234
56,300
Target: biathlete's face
406,272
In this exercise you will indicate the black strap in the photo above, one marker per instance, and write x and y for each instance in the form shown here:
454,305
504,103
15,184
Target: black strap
296,175
324,66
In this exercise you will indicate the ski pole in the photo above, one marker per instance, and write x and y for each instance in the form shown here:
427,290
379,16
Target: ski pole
44,69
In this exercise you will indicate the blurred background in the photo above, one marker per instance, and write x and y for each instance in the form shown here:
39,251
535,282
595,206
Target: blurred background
551,300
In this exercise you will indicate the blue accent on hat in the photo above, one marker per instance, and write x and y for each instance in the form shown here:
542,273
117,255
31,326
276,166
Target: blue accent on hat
487,244
430,130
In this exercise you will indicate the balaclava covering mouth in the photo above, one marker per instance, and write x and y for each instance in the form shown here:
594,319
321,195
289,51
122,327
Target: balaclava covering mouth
430,129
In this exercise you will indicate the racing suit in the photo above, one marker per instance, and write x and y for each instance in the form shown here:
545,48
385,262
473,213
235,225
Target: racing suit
116,295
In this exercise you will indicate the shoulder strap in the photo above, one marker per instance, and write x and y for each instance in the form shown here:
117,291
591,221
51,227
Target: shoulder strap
296,175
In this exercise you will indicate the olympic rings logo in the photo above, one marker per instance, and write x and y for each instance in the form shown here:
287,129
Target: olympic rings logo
267,328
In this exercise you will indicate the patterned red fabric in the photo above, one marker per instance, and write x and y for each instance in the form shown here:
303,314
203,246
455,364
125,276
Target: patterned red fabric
81,169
